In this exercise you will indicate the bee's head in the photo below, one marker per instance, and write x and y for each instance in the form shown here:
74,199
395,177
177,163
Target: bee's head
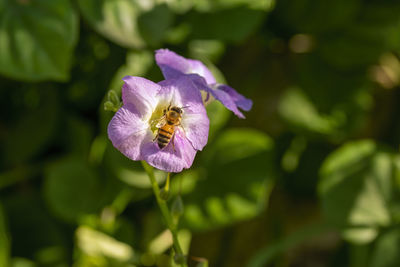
178,109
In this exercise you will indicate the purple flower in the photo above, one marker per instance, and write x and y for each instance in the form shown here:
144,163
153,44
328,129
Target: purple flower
133,129
173,66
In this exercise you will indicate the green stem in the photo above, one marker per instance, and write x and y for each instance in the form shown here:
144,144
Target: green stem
164,210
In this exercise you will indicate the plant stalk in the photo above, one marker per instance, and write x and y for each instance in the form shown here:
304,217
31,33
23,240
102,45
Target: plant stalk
164,210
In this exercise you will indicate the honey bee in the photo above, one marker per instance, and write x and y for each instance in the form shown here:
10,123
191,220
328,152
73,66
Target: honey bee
167,125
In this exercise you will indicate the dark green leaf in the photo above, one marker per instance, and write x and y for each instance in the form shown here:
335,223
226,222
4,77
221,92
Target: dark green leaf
265,256
316,16
37,39
154,24
33,130
71,189
235,183
4,240
230,25
33,230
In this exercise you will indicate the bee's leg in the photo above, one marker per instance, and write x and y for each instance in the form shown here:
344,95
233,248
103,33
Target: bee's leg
180,125
173,142
155,138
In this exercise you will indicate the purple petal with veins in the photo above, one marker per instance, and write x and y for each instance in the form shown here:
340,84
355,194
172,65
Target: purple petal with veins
173,65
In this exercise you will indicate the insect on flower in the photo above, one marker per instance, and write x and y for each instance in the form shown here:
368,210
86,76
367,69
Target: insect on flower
166,127
164,124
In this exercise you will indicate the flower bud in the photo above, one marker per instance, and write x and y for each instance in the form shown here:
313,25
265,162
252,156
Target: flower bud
164,194
180,258
109,106
113,98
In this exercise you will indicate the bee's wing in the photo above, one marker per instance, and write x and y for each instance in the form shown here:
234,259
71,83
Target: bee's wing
161,122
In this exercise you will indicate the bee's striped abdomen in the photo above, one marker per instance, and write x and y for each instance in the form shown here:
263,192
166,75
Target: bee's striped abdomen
164,136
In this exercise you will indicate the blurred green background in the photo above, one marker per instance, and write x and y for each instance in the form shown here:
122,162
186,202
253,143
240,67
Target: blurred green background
310,178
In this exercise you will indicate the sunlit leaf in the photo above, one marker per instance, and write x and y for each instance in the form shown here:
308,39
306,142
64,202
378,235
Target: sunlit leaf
207,5
386,250
309,116
298,110
37,39
131,24
116,20
21,262
97,246
355,189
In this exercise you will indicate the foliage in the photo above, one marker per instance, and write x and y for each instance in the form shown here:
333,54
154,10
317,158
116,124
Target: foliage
311,177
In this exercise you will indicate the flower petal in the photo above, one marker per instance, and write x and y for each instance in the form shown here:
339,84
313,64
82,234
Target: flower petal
128,132
241,101
172,158
196,127
195,122
197,67
141,93
173,65
226,100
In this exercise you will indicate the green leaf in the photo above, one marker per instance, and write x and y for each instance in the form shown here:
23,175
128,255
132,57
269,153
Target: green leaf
234,184
37,39
154,24
128,171
99,247
4,240
116,20
386,250
21,262
230,25
329,87
131,24
355,189
71,189
137,64
306,115
266,255
297,109
79,135
310,16
34,128
207,5
30,225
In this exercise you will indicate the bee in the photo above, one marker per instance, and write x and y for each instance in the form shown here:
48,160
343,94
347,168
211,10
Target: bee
167,125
